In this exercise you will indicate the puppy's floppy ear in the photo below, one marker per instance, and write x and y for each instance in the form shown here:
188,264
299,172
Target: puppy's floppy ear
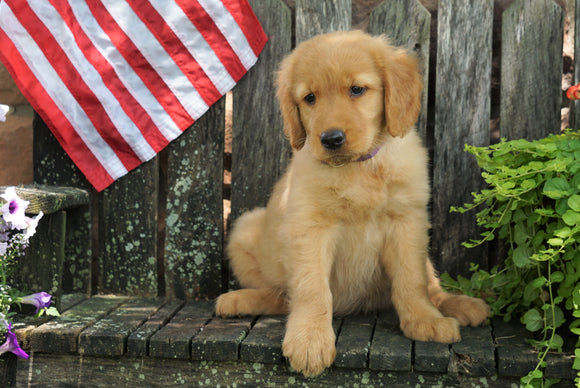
403,86
293,128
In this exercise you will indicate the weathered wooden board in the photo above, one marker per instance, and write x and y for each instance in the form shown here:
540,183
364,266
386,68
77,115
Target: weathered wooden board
474,355
264,342
108,336
390,349
515,356
220,339
531,69
462,114
128,235
194,209
174,339
44,370
314,17
24,322
431,357
61,334
52,166
407,24
138,341
354,341
41,266
50,199
260,152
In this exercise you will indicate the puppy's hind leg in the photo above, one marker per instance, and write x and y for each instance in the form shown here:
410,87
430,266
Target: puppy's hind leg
467,310
250,301
260,296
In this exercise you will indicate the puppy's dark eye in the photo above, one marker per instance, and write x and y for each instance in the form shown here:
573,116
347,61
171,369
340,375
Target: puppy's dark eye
356,91
310,99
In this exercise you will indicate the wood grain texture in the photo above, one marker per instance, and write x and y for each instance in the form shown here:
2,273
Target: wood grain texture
177,333
174,339
474,355
41,266
407,24
74,371
314,17
260,152
138,341
52,166
431,357
194,209
390,349
462,116
61,334
49,199
128,233
515,356
531,69
220,339
108,336
354,341
264,343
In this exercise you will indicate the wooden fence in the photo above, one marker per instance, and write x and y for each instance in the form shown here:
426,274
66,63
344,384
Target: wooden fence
160,230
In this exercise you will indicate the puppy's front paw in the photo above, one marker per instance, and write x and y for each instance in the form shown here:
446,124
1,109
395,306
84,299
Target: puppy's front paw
309,348
467,310
445,330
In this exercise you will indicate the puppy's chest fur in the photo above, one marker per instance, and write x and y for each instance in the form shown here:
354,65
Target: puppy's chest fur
362,211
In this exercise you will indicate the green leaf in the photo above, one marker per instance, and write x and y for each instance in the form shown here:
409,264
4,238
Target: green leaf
556,188
574,202
533,320
528,184
539,282
563,232
557,277
571,217
556,242
521,256
531,293
576,364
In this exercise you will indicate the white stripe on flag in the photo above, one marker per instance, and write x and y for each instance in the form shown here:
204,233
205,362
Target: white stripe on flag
65,38
195,43
231,30
124,71
157,57
58,92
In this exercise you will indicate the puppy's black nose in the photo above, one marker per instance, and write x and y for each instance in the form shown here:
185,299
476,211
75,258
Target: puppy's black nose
332,139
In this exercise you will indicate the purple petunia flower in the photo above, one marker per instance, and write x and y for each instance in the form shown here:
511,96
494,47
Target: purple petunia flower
41,300
13,209
11,345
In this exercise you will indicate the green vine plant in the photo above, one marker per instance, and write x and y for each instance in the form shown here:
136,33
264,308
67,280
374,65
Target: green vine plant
532,203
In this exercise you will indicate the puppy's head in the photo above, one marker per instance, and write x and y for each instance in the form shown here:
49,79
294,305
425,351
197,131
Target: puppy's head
344,93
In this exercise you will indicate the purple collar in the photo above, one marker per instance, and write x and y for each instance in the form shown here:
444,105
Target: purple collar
360,159
368,156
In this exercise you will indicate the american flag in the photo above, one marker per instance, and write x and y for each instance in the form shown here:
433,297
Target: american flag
117,80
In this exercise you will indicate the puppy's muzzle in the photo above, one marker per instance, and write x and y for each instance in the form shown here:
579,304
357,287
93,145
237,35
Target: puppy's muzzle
333,139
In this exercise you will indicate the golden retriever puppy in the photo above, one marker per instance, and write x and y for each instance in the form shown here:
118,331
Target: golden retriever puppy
346,228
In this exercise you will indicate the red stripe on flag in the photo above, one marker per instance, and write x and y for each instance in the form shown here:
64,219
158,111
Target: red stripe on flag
246,19
141,66
69,75
214,37
59,125
85,97
130,106
178,52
